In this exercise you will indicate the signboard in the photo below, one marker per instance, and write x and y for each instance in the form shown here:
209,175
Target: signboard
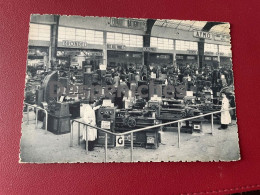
192,51
164,56
105,124
74,43
190,57
179,57
225,38
128,23
149,49
208,53
207,58
120,141
202,34
93,54
137,55
215,58
115,47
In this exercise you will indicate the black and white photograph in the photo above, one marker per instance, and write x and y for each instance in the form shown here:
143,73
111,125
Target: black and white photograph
107,89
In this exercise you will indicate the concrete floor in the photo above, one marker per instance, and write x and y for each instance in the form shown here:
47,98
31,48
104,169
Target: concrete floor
39,146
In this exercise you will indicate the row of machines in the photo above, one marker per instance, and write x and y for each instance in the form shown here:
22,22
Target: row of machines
121,120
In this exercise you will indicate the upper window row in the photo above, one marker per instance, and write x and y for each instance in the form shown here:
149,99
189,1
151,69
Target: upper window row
186,45
125,39
74,34
161,43
43,32
39,32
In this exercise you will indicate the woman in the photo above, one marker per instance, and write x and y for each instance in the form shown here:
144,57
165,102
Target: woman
225,115
89,117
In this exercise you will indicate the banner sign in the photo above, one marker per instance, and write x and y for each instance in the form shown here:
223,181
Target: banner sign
128,23
149,49
115,47
202,34
74,43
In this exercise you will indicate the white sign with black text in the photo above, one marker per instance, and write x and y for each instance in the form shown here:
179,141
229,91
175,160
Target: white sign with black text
120,141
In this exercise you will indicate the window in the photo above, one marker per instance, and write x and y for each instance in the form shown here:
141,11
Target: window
186,45
225,49
74,34
210,48
40,32
125,39
161,43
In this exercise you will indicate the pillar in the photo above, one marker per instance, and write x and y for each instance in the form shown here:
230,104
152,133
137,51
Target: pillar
201,53
54,41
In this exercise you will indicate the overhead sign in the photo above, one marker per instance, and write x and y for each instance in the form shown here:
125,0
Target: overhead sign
225,38
120,141
208,53
149,49
202,34
115,47
128,23
66,43
192,51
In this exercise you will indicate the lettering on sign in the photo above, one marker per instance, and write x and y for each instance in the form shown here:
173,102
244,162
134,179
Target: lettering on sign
115,47
202,34
105,124
128,23
74,43
120,141
209,53
225,38
149,49
192,51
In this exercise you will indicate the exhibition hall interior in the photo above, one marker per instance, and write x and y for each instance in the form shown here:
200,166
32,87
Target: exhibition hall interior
101,89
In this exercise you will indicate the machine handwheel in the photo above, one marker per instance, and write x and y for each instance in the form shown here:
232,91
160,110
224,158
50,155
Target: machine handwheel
131,122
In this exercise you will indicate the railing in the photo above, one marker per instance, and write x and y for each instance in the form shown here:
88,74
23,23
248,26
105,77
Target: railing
138,130
36,115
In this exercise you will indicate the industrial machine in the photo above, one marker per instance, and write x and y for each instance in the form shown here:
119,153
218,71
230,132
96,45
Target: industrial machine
58,117
106,120
127,120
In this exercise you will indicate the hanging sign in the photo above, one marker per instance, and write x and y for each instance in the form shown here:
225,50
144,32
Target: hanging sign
192,51
115,47
128,23
74,43
202,34
225,38
149,49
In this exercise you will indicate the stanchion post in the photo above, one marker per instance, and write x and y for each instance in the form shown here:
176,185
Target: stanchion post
86,133
132,147
36,118
78,133
71,134
179,134
46,121
105,147
27,114
212,124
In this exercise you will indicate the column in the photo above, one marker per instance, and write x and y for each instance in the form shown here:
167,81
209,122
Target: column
105,49
201,53
54,41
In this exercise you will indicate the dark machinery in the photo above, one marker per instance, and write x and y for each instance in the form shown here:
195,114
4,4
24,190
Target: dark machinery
127,120
106,115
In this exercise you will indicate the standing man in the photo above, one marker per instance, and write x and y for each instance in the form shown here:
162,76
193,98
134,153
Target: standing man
89,117
225,115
